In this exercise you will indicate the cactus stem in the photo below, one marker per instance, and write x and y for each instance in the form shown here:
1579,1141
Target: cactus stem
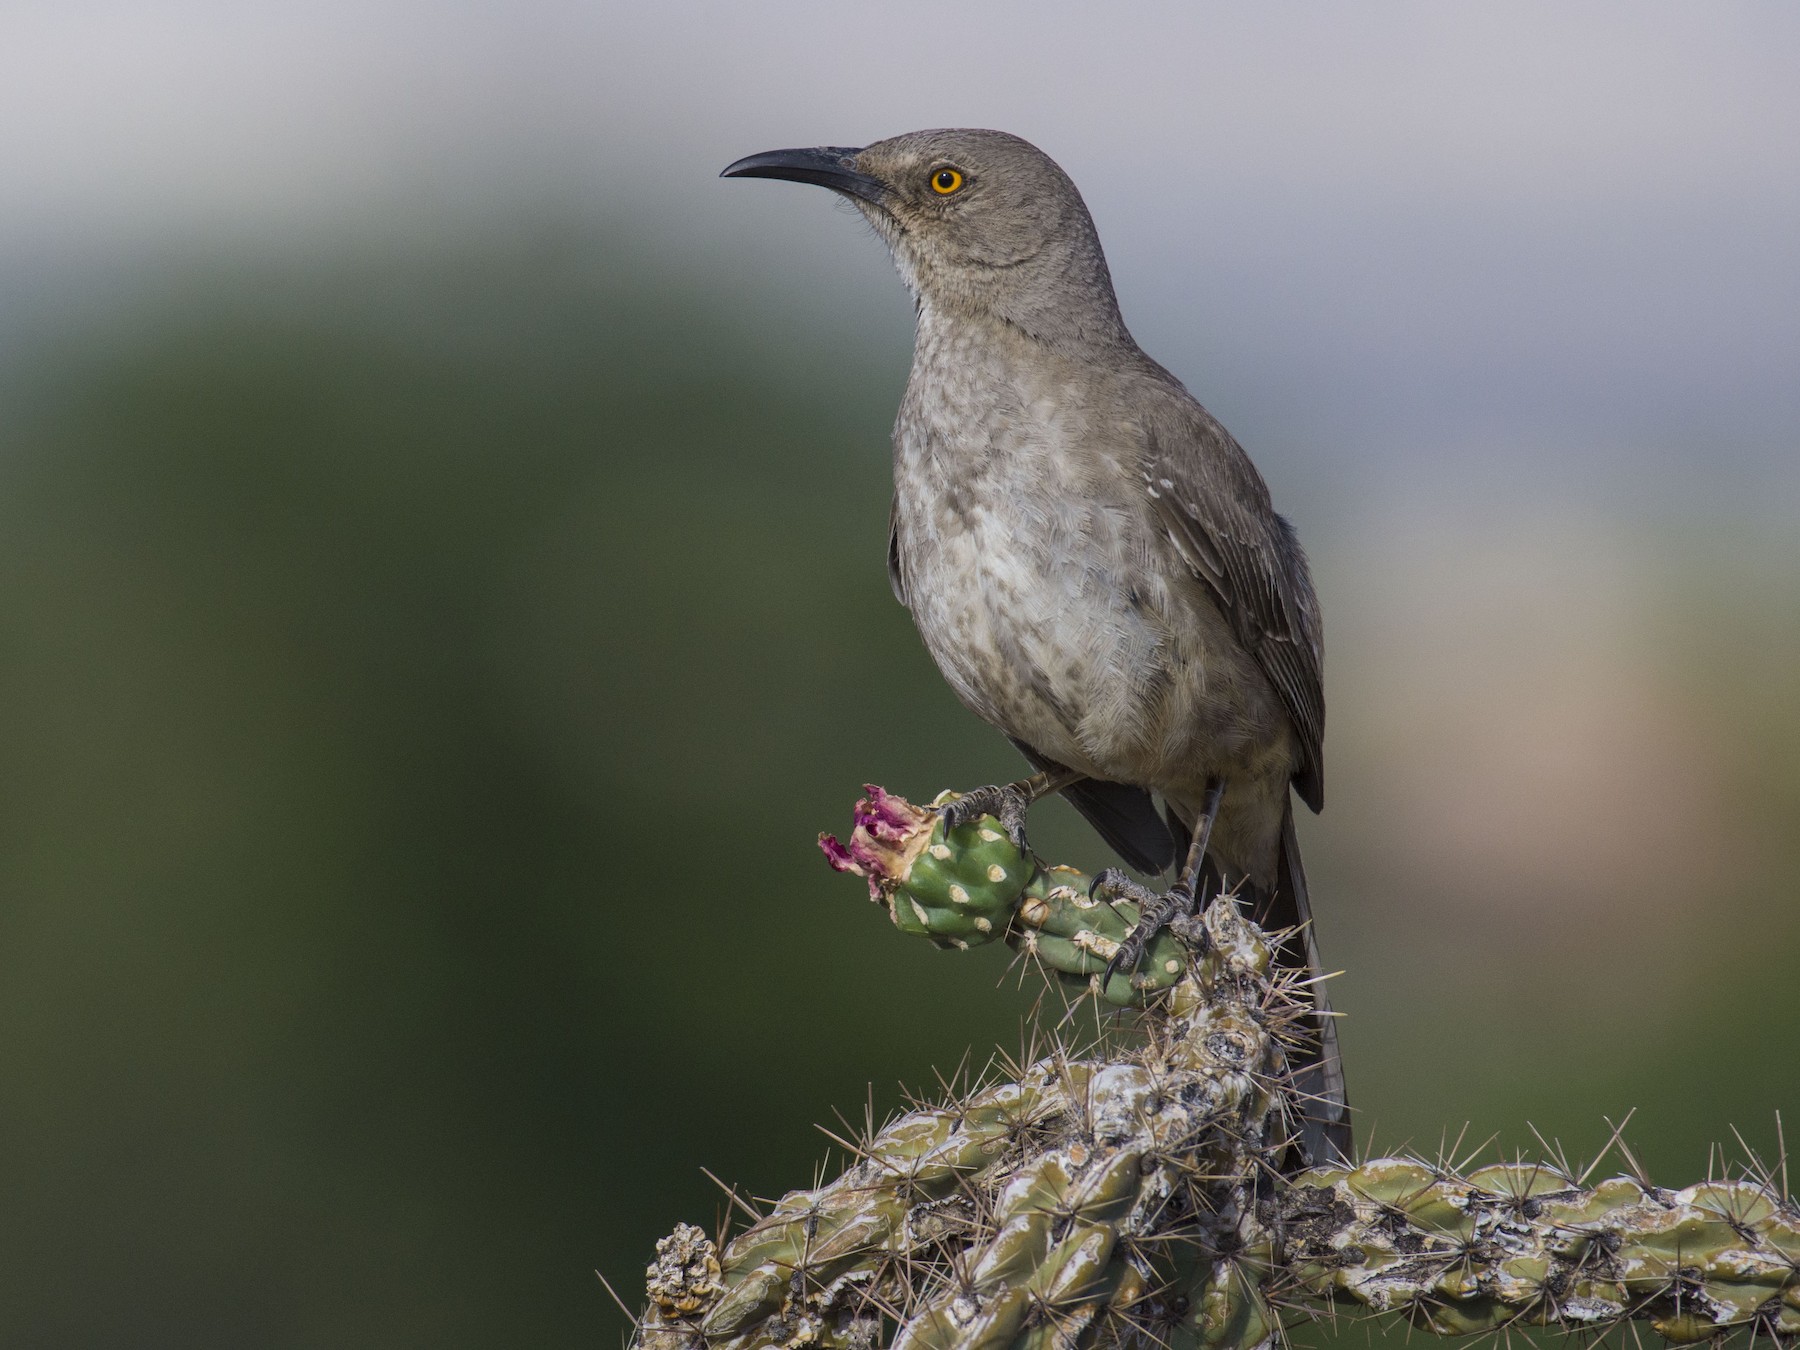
1133,1194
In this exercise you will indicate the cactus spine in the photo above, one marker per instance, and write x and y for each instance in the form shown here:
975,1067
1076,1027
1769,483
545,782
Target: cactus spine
1138,1197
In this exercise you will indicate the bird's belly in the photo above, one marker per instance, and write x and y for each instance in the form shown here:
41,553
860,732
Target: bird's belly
1095,649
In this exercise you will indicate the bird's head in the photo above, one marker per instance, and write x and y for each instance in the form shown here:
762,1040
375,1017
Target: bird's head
980,223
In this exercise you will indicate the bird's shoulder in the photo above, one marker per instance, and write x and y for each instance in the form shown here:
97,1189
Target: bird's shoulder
1178,434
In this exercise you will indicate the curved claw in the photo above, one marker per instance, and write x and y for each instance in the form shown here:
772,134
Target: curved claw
1154,914
1005,802
1110,882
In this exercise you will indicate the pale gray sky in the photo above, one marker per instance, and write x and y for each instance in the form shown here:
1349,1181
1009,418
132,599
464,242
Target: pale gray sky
1567,229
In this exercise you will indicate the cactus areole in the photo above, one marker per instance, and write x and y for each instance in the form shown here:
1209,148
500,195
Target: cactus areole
1136,1198
968,886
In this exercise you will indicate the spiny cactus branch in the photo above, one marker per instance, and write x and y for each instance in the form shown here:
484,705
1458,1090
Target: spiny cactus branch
972,885
1138,1197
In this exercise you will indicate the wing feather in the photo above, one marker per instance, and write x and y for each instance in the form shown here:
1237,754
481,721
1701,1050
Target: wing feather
1215,508
895,570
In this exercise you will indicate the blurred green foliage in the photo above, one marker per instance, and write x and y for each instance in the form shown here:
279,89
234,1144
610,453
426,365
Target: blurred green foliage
420,686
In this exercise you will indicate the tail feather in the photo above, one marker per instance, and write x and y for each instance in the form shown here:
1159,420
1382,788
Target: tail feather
1319,1068
1127,819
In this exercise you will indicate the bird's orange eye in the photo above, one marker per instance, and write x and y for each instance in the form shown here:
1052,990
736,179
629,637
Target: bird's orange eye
946,181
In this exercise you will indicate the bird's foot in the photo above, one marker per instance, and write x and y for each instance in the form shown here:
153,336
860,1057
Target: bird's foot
1155,913
1005,802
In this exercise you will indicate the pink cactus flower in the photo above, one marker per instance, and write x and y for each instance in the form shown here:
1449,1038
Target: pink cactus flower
890,832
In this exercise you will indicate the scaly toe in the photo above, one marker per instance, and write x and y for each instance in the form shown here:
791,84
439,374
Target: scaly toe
1011,816
1112,884
971,807
1002,801
1154,915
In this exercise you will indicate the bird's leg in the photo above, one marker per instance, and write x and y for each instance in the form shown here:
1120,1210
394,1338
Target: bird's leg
1007,802
1156,911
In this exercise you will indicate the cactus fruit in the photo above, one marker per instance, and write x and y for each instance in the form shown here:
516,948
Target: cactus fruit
1136,1198
971,885
956,889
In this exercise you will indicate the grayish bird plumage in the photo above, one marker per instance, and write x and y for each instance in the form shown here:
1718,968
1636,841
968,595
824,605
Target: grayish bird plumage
1093,562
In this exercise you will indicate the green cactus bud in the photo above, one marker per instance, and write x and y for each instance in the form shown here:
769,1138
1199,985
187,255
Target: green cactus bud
1070,933
974,866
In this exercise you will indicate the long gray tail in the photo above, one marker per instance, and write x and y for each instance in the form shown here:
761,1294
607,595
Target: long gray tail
1324,1127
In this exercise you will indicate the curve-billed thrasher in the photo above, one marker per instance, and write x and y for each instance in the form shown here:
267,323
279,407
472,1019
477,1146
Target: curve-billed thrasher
1092,560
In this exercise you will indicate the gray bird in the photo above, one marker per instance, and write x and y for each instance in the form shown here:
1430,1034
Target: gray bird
1093,562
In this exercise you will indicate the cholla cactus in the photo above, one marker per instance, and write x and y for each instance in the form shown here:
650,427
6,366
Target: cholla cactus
1525,1243
973,885
1136,1197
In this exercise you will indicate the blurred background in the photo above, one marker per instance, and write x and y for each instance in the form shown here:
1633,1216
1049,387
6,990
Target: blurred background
441,531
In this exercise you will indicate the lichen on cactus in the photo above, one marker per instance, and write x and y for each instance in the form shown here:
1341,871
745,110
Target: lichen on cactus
1525,1244
1078,1196
1144,1196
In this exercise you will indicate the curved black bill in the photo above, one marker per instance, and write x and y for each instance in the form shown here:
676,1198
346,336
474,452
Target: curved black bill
826,165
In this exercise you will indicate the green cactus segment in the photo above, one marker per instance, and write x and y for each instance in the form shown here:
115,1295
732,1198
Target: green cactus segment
1050,1252
1233,1312
816,1237
1139,1199
1075,936
969,886
1088,1199
963,886
1525,1244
